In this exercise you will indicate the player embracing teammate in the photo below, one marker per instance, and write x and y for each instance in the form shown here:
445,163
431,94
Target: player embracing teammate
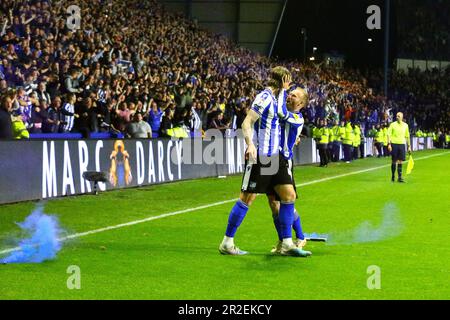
268,167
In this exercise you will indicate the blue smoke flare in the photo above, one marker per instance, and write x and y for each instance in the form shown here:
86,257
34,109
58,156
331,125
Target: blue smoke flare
42,243
390,227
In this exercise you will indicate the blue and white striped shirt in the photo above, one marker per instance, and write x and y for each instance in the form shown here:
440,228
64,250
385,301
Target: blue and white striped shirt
291,127
267,128
101,95
68,111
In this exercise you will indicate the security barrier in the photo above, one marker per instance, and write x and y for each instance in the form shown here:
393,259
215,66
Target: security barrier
33,169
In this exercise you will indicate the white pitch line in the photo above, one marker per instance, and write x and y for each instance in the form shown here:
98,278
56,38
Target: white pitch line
131,223
363,171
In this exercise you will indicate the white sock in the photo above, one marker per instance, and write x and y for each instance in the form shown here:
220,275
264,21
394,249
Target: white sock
228,242
288,242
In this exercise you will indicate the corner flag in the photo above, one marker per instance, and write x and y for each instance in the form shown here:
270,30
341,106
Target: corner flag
410,166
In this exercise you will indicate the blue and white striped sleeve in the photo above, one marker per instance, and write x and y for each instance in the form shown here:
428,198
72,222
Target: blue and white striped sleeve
282,108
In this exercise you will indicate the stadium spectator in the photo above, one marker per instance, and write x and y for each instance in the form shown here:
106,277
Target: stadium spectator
42,94
139,51
423,29
195,121
24,107
68,113
123,115
218,122
86,118
39,117
3,87
166,123
154,117
107,114
5,117
72,82
139,128
52,125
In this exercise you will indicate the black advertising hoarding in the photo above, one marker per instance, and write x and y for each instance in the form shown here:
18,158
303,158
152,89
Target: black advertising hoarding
32,170
20,168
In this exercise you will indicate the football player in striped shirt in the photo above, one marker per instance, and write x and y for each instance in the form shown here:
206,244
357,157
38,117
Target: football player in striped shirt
291,122
261,119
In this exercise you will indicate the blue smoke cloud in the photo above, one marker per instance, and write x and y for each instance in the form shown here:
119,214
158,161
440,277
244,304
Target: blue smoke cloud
390,227
42,243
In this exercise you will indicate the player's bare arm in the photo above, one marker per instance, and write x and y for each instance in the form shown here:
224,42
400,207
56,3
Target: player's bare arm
247,129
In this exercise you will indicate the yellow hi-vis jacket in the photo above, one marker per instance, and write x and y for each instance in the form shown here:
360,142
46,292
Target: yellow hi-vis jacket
342,132
19,130
385,137
322,134
178,132
398,133
435,137
349,135
337,133
357,136
379,136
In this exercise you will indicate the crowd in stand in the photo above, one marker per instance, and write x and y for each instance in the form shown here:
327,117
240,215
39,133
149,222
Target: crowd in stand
135,69
423,29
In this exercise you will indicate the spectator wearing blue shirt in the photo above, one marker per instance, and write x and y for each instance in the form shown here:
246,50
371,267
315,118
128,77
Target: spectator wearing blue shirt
154,118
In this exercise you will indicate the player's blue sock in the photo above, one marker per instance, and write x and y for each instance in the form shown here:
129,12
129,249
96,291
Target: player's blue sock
286,217
236,217
276,222
297,225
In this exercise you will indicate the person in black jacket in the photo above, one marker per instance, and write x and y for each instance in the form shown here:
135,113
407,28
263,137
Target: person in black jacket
87,121
6,105
166,123
53,123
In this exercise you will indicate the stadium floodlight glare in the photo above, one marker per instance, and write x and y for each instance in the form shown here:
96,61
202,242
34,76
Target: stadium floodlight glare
314,49
312,59
370,39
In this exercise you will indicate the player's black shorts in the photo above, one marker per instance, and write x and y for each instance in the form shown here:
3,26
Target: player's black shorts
398,152
285,175
258,177
262,178
267,173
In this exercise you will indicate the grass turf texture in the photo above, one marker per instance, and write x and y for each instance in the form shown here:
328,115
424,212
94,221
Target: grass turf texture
177,258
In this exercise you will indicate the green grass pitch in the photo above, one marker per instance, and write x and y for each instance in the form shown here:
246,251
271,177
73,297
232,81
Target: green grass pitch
176,257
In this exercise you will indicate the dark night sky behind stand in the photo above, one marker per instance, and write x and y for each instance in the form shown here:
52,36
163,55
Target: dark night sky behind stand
338,25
